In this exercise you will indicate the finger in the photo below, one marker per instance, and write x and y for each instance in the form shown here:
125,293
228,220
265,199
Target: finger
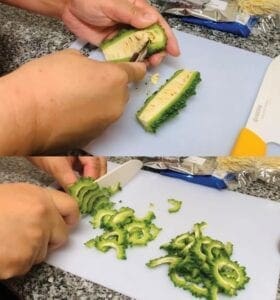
172,47
61,169
42,252
67,207
91,166
157,59
126,12
135,71
59,236
103,165
86,31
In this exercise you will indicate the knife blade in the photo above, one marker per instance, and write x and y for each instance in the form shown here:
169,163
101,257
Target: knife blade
141,55
263,125
121,174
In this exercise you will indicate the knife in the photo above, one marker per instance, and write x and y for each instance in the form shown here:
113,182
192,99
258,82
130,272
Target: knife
141,55
121,174
263,125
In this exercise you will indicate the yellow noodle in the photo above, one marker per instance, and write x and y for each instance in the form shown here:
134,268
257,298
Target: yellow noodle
235,164
260,7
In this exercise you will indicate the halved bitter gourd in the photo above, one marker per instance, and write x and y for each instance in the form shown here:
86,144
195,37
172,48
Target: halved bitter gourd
131,42
168,100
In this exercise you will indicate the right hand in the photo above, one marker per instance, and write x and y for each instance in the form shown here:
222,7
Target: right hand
64,100
33,221
64,168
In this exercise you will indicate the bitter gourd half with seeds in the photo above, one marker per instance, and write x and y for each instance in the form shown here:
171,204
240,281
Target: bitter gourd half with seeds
131,42
168,100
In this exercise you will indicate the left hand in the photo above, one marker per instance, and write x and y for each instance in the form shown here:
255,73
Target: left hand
63,168
96,20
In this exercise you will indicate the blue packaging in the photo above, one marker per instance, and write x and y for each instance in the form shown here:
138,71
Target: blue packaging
236,28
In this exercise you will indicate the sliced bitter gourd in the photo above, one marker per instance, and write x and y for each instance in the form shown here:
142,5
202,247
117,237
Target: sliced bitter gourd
229,276
202,265
90,196
102,217
175,205
130,42
104,246
170,260
168,100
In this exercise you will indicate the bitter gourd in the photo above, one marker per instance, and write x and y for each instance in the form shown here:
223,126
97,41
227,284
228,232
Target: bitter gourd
129,43
168,100
122,229
91,197
202,265
175,205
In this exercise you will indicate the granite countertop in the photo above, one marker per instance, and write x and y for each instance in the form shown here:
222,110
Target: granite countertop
24,36
47,282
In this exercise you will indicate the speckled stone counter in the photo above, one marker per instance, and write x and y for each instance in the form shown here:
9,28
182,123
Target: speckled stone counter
47,282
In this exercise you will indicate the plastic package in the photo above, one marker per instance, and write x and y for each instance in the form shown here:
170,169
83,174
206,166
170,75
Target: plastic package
223,15
221,172
193,169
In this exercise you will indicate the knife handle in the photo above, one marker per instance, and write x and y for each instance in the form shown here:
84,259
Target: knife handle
249,144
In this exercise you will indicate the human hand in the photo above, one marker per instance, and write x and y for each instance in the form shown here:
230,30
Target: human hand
62,101
63,168
97,20
33,221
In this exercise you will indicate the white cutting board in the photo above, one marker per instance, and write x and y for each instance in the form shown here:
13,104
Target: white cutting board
251,224
213,118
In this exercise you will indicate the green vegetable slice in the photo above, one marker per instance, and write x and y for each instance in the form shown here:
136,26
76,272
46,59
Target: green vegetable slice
229,276
122,229
175,205
179,281
105,245
202,265
170,260
99,220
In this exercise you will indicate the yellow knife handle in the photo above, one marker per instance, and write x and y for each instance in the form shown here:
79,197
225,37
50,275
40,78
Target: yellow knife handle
249,144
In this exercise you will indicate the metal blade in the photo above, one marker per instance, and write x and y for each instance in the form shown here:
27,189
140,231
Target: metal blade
265,115
122,174
141,55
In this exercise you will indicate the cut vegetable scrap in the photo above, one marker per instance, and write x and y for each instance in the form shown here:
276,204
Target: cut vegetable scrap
130,43
175,205
155,78
168,100
202,265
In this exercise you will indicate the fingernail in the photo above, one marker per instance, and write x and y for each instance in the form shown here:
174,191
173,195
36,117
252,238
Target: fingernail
149,17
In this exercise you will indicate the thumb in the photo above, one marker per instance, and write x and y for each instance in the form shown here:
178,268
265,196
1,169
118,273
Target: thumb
135,71
126,12
66,206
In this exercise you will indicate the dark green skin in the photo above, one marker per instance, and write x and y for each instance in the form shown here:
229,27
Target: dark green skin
85,189
75,188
